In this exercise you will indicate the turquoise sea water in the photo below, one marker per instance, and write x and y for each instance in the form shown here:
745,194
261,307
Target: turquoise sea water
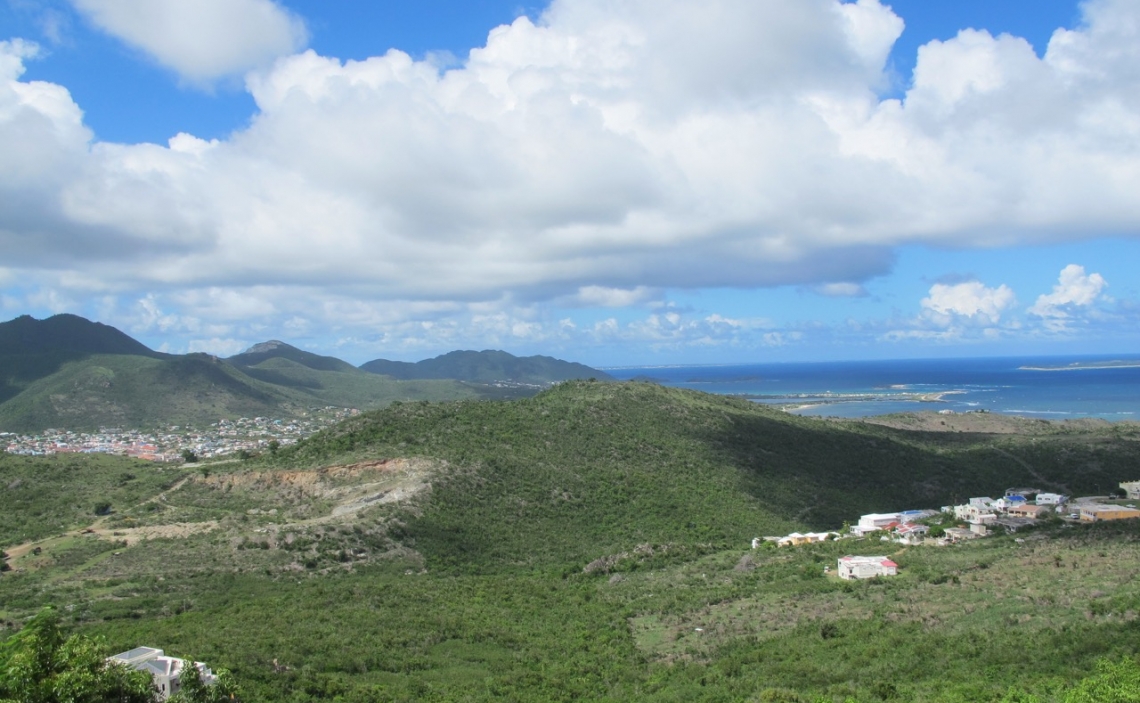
1105,387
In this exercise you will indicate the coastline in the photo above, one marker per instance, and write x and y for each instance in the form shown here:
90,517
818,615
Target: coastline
934,397
865,389
1088,367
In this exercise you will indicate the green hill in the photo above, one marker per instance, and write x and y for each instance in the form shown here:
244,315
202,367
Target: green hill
140,392
273,349
487,367
331,381
69,373
31,349
586,468
591,543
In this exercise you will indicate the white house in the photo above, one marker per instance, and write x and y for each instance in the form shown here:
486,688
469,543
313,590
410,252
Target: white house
1131,489
796,539
166,671
1051,499
873,522
1004,504
866,567
911,533
981,502
971,513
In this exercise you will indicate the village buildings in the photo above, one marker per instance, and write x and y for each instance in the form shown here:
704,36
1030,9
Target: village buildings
222,438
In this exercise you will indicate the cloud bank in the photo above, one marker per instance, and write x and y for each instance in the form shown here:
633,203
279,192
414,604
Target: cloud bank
599,154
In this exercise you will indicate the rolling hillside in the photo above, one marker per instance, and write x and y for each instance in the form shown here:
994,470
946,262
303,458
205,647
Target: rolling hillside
310,377
66,372
590,543
588,466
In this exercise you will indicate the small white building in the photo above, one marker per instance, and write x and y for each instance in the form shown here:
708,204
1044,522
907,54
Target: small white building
1131,489
1004,504
796,539
873,522
970,513
1051,499
866,567
911,533
166,671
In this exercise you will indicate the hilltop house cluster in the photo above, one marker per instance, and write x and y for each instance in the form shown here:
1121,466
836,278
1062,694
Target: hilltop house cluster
221,439
977,517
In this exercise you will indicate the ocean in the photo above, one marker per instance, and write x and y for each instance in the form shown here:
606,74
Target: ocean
1040,387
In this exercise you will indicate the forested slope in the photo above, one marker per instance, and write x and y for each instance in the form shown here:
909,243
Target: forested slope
588,466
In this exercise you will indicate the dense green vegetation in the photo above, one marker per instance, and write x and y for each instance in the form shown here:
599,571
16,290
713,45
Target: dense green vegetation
591,543
41,665
599,465
960,624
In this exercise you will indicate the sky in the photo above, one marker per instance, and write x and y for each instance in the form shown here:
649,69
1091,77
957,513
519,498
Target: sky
617,182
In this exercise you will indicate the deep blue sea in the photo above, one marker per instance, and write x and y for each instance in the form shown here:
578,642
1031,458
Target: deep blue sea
1105,387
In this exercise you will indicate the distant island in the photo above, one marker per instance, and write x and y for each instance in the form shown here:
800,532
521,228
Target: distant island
1087,366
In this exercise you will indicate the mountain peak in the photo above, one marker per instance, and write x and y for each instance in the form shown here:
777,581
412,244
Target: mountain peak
276,349
265,347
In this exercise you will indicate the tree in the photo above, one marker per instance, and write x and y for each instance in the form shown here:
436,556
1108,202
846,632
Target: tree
274,445
40,665
194,690
188,456
1113,682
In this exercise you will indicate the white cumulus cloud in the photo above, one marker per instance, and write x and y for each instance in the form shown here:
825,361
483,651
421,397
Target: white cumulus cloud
201,40
1075,289
604,151
971,299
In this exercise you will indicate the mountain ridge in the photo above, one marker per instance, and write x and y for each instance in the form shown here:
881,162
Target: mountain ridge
67,372
487,366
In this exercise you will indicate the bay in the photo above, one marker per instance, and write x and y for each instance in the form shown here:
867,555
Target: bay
1106,387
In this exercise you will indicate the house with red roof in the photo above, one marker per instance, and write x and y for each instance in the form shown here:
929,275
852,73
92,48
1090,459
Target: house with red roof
851,567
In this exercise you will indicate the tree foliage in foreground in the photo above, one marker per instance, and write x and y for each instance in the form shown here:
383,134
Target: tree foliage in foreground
40,665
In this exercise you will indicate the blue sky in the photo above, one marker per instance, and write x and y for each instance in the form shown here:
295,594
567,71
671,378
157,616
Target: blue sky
613,182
